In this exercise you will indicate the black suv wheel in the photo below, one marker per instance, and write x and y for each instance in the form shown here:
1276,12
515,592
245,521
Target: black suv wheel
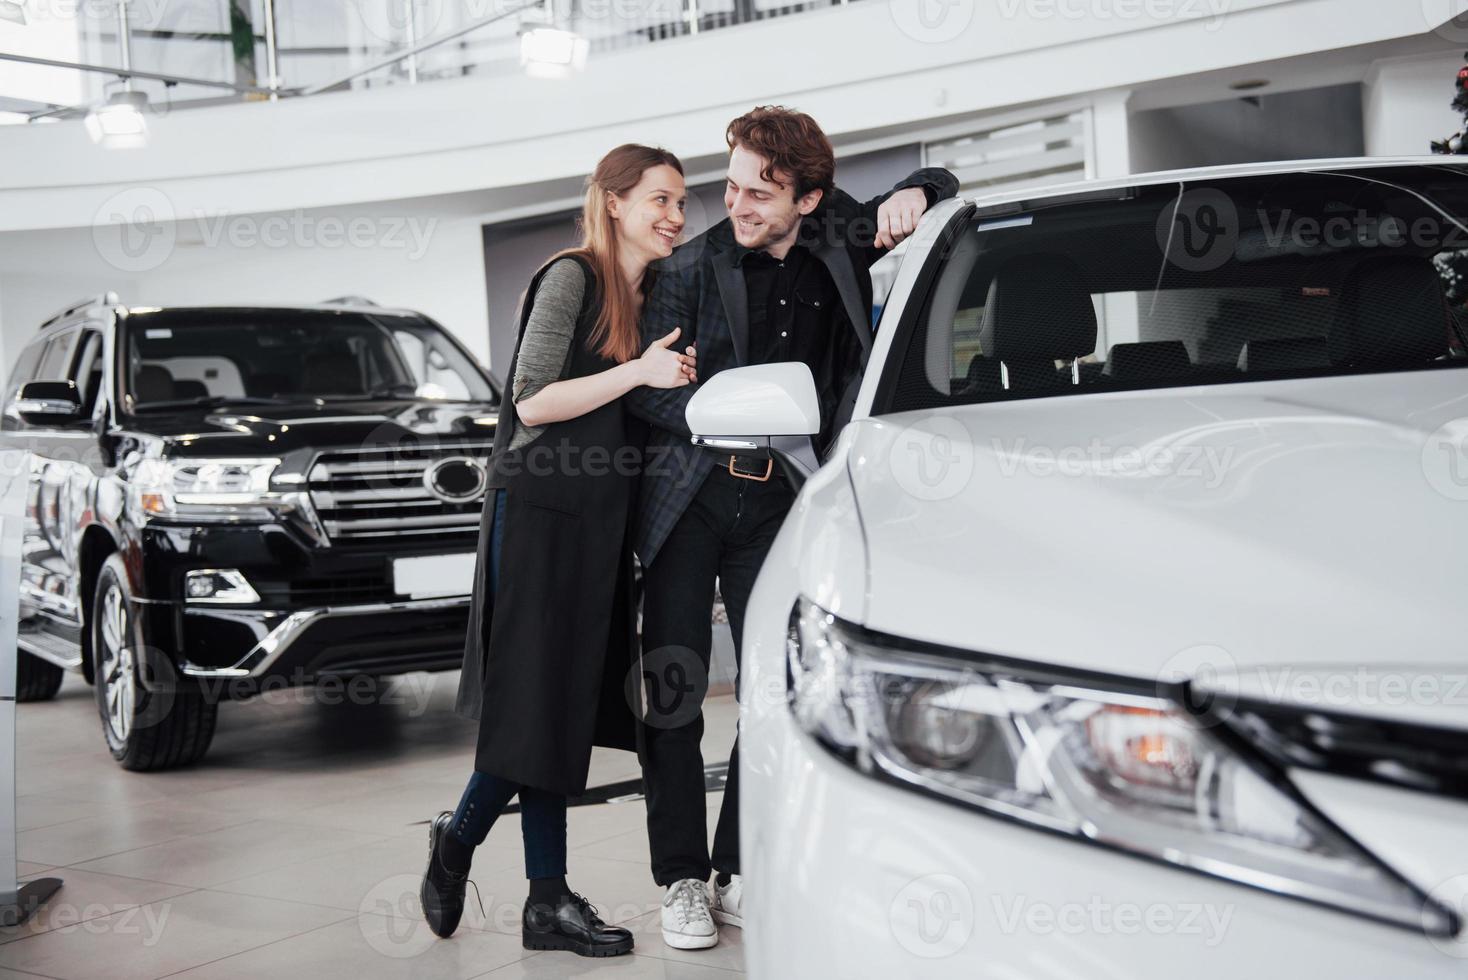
36,679
145,728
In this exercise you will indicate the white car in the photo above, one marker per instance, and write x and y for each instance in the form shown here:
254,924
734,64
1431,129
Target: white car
1123,634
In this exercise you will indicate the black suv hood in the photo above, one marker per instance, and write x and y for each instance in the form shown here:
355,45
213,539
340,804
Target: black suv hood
276,429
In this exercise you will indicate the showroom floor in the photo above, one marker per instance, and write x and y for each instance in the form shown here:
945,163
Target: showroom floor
295,849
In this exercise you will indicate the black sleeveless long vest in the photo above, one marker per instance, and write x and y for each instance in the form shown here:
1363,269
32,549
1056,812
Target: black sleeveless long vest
546,660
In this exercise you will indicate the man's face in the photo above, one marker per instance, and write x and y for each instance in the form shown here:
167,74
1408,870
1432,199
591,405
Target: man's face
764,212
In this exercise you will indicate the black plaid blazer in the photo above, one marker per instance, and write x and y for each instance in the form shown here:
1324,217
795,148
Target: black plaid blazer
701,289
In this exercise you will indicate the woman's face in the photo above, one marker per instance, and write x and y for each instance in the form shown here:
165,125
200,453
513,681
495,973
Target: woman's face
650,216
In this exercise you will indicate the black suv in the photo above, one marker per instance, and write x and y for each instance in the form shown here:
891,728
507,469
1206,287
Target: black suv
223,500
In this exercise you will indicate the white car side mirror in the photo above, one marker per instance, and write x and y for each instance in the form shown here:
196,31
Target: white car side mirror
738,410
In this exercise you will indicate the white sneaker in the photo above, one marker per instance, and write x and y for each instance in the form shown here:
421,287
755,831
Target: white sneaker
687,923
728,907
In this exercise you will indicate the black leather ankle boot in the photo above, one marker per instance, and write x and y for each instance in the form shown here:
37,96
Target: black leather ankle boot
572,924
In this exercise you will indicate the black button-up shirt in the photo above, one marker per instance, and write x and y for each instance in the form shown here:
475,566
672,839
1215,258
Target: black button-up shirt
791,305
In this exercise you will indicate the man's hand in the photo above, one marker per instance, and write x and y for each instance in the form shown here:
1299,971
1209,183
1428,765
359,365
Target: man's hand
897,217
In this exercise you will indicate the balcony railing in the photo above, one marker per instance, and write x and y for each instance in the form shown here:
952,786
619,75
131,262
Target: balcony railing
316,43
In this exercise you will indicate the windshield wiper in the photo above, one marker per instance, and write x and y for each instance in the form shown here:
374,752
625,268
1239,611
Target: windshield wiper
209,401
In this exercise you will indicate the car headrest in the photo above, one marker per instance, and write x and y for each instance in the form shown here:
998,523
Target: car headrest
1147,360
1038,309
1391,312
1285,354
190,389
153,384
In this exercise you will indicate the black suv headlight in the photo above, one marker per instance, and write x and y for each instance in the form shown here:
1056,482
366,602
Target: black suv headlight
1082,756
235,489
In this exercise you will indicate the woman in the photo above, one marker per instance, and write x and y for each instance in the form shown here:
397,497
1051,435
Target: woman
552,631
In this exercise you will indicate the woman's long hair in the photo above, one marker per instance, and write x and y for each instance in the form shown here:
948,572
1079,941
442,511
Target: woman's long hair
616,335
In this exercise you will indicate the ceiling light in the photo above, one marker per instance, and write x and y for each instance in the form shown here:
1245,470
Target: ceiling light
119,124
546,52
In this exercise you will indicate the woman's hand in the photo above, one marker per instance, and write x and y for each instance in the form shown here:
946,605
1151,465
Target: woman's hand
662,367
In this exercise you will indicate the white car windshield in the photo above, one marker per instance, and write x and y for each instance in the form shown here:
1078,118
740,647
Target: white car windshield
1236,279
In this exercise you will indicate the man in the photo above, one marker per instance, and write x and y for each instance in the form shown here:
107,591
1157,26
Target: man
784,278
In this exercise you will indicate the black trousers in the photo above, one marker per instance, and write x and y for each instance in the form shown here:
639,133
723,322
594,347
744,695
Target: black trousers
725,534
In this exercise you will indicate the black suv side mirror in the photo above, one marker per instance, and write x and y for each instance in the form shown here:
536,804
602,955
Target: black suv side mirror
48,402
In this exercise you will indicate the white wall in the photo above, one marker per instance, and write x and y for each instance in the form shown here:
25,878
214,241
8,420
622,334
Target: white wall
1407,102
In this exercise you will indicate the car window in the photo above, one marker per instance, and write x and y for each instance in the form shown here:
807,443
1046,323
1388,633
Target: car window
87,371
1245,279
25,367
57,359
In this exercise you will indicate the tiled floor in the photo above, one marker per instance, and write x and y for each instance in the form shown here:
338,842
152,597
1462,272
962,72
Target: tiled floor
295,849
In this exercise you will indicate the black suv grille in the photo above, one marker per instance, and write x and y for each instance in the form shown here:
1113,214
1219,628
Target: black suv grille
373,494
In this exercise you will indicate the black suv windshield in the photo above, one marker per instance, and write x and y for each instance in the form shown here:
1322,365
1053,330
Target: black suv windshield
1237,279
186,356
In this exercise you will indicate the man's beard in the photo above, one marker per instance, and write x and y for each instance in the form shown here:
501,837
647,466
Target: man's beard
767,233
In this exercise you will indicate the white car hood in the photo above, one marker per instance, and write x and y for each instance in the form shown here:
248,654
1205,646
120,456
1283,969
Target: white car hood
1296,526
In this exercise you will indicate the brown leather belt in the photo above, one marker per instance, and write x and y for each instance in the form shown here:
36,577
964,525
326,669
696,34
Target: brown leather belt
757,477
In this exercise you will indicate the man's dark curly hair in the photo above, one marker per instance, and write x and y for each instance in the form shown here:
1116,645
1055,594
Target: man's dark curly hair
791,143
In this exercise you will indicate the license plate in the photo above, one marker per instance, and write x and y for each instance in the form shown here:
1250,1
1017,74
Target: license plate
433,575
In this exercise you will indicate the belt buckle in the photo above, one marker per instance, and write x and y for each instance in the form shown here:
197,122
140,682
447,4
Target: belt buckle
769,469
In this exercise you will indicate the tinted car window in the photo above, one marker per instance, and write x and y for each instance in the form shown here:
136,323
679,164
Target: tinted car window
1240,280
181,354
87,372
57,359
25,367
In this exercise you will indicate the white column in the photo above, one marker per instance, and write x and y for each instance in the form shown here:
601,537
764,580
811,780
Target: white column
12,514
1406,102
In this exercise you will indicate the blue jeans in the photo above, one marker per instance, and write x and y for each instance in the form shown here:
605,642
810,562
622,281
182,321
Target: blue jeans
542,813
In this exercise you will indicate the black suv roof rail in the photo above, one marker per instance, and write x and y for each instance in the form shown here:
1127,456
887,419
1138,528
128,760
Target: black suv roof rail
348,301
108,298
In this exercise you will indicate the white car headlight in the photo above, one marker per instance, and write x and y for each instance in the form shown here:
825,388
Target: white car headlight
208,489
1091,757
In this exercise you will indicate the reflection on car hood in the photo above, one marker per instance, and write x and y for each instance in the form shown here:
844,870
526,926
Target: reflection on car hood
281,428
1284,524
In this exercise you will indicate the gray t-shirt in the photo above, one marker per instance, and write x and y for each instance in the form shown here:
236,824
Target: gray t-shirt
548,336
